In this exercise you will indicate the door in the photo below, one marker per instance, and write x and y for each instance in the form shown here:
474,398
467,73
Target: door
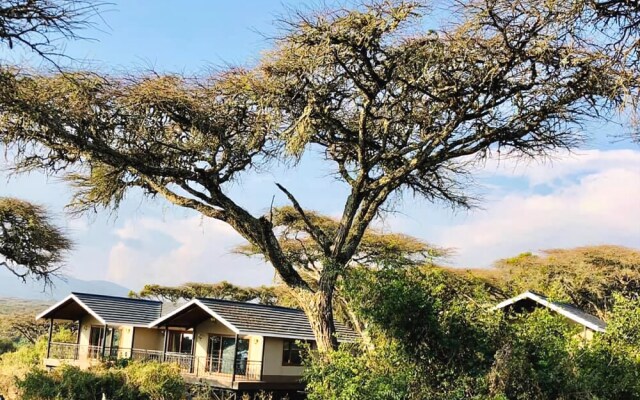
220,354
95,341
113,342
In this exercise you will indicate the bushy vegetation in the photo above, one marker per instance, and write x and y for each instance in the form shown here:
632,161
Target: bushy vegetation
434,336
139,381
26,356
22,377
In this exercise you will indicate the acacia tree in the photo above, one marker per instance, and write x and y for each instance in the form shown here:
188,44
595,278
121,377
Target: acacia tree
610,27
30,246
222,290
40,25
377,250
393,109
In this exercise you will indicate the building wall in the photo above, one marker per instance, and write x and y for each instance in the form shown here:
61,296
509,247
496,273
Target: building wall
255,348
126,337
148,339
273,348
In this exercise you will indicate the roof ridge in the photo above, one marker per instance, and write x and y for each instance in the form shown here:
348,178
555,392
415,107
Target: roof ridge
117,297
249,304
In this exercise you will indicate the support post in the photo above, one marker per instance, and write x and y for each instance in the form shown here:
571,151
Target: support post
133,340
166,342
50,335
193,350
235,359
262,359
77,351
113,334
104,339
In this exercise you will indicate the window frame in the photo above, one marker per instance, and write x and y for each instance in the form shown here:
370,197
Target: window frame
292,347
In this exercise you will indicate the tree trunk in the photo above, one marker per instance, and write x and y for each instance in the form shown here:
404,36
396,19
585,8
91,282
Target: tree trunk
322,322
318,307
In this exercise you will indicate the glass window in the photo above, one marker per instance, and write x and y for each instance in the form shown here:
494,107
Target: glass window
292,352
180,342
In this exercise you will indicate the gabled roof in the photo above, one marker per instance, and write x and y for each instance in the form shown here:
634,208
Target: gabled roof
109,310
255,319
568,310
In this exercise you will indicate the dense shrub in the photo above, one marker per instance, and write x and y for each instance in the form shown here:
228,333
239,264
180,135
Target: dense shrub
6,346
435,337
357,374
152,381
156,381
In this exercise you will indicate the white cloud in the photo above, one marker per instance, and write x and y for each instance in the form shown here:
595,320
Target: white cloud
563,166
176,251
596,200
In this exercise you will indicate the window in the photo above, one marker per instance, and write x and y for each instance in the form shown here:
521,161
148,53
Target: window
180,342
292,352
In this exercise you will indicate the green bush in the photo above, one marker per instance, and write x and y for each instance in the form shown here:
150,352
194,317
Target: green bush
6,346
155,380
357,374
145,381
434,337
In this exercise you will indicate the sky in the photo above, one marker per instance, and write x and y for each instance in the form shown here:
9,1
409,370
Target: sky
588,197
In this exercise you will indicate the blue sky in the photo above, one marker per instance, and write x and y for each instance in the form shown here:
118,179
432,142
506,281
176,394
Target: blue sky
590,197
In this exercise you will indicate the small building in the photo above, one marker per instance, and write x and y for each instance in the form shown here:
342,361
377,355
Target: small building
529,300
108,327
244,347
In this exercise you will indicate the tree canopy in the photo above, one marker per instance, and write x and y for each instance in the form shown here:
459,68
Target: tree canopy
392,107
221,290
30,245
40,25
585,276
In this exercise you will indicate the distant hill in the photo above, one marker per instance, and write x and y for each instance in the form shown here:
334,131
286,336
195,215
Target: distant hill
10,286
9,306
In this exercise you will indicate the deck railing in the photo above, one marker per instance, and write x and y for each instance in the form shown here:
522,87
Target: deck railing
64,351
72,351
146,355
247,370
221,368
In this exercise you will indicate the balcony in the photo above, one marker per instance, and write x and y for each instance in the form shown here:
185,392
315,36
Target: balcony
220,368
209,367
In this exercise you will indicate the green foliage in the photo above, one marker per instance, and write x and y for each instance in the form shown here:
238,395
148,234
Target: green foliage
6,346
585,276
221,290
16,364
358,374
440,320
68,382
150,381
433,337
30,246
156,381
535,361
610,366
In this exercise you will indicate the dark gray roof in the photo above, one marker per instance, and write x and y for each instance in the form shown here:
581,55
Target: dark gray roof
122,310
566,309
263,320
110,310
